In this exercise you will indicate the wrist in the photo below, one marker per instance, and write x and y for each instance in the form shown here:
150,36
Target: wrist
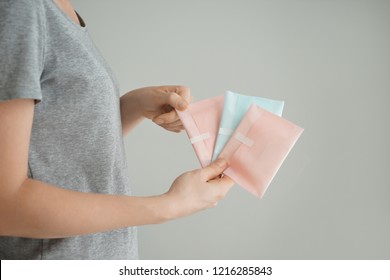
129,103
165,210
131,111
153,209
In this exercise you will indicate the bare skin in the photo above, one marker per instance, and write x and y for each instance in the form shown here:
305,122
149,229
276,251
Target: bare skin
35,209
67,7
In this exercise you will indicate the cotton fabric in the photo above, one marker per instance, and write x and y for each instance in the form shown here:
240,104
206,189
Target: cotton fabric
76,140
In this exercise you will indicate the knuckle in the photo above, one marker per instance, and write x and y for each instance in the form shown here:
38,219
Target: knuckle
182,88
172,96
215,169
184,91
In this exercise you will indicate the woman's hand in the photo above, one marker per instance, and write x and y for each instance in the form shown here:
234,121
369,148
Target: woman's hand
198,190
155,103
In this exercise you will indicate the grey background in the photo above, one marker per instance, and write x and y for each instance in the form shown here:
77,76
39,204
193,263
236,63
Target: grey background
329,61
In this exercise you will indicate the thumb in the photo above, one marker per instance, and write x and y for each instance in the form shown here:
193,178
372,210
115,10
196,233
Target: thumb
176,101
214,169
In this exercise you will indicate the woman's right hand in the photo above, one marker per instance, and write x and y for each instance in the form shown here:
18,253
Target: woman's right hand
198,190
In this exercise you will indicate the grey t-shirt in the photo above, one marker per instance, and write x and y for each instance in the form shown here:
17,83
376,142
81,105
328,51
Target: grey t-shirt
76,141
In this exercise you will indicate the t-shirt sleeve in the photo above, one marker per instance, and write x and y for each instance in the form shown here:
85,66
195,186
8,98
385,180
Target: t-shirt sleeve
22,37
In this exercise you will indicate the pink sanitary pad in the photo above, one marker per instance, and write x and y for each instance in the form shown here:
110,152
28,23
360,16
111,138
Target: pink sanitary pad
258,148
201,122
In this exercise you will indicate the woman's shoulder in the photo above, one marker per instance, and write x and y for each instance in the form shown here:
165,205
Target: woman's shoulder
21,6
21,13
26,3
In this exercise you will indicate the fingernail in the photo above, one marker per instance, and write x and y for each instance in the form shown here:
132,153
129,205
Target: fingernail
159,121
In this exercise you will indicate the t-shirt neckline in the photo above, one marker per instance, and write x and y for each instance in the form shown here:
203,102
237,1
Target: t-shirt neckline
82,26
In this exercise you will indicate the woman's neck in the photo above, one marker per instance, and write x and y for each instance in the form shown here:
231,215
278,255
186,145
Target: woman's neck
67,7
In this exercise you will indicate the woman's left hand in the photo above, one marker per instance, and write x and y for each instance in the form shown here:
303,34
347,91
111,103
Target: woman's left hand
157,104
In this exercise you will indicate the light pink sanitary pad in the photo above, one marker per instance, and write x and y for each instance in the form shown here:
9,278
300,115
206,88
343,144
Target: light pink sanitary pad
201,122
258,148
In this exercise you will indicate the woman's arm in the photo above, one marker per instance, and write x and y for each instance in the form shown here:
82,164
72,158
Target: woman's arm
155,103
31,208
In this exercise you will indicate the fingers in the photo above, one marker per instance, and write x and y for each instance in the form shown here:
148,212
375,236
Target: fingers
166,118
225,183
219,188
176,101
214,169
183,92
173,97
174,123
178,96
176,126
169,121
176,129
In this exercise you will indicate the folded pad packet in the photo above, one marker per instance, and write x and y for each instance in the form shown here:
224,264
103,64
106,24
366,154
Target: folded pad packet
258,148
234,109
201,121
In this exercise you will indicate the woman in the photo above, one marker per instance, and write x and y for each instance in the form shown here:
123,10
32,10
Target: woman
64,190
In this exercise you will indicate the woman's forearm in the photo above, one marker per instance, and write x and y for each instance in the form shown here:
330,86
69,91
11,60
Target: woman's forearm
131,114
40,210
31,208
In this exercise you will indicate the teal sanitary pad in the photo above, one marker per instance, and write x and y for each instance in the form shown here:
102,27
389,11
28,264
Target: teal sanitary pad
235,107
